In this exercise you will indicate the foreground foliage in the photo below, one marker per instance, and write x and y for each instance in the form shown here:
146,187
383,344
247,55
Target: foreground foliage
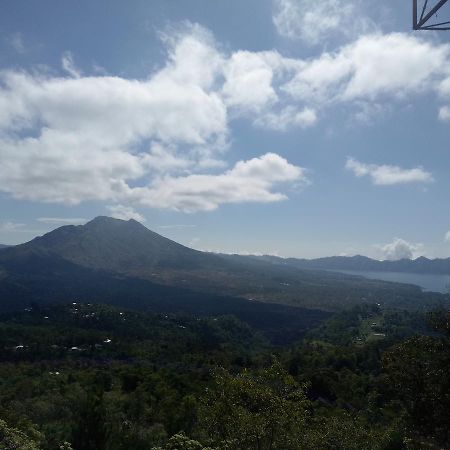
94,377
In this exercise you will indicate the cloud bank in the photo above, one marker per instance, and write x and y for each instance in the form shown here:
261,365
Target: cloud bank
161,141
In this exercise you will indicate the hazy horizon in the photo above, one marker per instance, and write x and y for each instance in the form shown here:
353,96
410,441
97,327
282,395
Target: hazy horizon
163,232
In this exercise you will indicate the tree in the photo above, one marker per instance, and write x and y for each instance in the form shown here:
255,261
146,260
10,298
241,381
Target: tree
419,372
10,438
263,411
182,442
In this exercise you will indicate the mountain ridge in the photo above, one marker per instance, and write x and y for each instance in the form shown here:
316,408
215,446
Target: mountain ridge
141,239
420,265
125,253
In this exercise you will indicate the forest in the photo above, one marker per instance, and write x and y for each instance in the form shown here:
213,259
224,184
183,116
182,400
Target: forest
84,376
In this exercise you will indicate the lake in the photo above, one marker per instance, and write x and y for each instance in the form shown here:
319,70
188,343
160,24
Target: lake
435,283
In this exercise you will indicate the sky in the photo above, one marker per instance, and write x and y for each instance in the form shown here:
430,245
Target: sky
287,127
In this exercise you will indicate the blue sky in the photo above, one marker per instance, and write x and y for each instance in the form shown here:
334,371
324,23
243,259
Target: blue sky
289,127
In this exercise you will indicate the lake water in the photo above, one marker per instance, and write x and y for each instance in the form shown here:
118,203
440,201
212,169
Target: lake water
435,283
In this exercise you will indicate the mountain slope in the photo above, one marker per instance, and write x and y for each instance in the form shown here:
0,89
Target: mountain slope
118,246
43,280
126,253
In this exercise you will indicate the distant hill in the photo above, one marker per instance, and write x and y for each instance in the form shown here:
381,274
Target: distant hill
122,262
420,265
3,246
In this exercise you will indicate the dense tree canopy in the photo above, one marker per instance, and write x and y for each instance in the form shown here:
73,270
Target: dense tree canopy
93,377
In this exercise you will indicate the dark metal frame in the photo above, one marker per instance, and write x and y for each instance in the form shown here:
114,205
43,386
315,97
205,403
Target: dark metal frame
422,21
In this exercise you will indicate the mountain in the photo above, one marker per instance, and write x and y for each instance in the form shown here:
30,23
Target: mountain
2,246
115,245
122,262
100,262
360,263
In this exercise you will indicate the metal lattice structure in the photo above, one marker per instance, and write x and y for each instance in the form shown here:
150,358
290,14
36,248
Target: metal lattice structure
427,18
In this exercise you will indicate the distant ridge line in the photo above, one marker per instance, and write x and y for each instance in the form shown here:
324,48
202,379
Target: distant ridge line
420,265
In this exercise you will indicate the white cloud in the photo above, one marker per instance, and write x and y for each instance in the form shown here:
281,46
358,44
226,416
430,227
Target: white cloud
371,67
313,21
107,138
444,114
125,213
400,249
447,236
444,87
368,111
263,86
62,220
164,158
69,66
247,181
287,118
385,175
118,140
248,81
75,139
193,57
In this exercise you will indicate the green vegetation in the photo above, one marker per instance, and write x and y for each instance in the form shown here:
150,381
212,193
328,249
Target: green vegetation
95,377
10,438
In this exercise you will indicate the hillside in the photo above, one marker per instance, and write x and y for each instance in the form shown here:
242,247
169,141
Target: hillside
87,260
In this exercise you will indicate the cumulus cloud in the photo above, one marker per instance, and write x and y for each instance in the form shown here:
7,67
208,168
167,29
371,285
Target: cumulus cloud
62,220
247,181
267,84
447,236
313,21
444,114
150,141
399,249
78,138
75,139
385,175
409,64
125,213
248,81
